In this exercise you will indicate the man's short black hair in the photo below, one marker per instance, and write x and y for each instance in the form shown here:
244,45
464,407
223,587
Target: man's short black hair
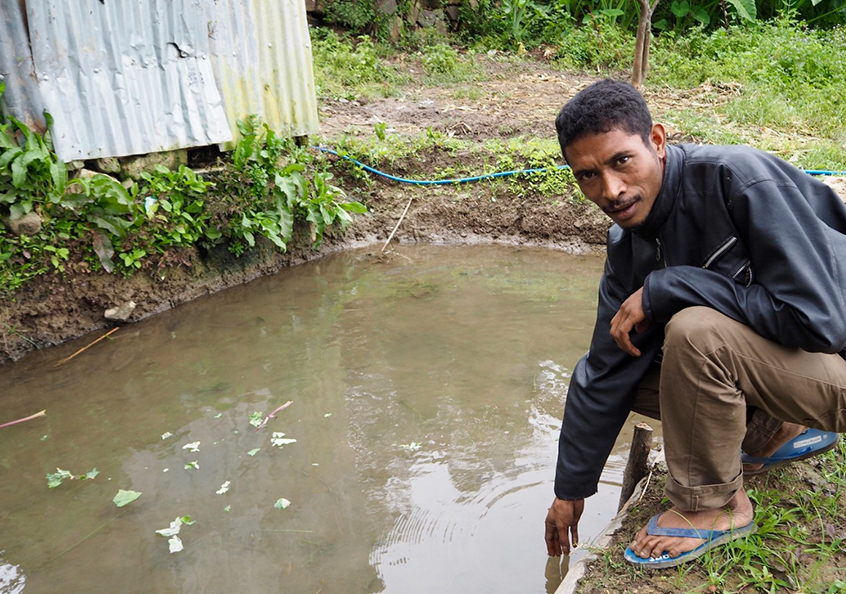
603,106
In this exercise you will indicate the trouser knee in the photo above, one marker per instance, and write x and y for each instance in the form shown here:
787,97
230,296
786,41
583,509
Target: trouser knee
694,326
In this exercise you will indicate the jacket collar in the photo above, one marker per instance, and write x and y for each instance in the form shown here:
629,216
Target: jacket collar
666,199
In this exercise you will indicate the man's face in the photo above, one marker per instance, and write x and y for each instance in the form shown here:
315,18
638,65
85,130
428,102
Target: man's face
619,173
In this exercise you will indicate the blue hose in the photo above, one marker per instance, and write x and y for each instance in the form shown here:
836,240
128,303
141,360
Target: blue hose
464,180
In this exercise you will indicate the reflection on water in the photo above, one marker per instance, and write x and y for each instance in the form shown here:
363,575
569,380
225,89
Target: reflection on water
427,394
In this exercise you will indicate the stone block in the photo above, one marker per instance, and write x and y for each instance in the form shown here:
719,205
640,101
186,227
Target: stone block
133,167
386,6
107,165
28,224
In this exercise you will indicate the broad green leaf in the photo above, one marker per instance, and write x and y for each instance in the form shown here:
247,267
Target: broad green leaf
194,464
256,418
224,488
281,503
253,452
125,497
745,8
91,473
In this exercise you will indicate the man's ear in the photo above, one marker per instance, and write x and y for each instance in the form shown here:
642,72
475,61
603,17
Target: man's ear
658,138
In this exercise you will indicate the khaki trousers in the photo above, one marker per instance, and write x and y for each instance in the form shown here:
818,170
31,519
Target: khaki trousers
721,388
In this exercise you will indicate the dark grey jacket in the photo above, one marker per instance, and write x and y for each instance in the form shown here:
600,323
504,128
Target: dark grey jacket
734,229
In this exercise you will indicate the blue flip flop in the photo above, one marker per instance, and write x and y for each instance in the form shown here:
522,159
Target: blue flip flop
811,442
713,538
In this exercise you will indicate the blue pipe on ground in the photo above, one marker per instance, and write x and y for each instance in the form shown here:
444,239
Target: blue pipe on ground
464,180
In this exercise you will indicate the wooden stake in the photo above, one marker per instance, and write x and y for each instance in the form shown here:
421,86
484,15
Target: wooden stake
637,465
391,236
85,348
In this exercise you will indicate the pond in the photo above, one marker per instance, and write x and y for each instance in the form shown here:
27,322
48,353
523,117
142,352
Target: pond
426,387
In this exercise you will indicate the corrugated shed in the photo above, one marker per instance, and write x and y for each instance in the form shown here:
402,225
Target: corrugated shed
138,76
262,61
22,97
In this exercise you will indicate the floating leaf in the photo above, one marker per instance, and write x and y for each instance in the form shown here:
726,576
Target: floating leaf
327,415
279,440
218,415
253,452
125,497
195,465
175,544
43,438
54,479
411,447
167,434
91,474
227,508
256,418
194,446
223,488
281,503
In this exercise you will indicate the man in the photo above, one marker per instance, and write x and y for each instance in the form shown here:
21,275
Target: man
722,312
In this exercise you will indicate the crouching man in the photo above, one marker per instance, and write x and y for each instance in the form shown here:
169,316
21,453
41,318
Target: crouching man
722,312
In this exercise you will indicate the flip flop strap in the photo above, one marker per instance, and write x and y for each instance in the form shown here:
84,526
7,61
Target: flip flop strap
653,529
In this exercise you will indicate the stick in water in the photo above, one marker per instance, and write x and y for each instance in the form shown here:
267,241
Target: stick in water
273,414
66,359
399,222
43,413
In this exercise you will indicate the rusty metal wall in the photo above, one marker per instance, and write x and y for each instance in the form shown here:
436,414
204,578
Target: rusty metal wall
138,76
262,61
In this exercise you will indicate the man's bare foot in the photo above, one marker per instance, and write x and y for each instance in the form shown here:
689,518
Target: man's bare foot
785,433
738,513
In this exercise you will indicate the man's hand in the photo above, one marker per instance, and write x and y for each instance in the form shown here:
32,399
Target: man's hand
630,316
562,522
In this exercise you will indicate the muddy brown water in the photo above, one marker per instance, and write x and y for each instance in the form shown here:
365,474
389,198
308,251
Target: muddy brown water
427,392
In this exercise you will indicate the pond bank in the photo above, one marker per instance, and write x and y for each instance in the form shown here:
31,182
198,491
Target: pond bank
54,308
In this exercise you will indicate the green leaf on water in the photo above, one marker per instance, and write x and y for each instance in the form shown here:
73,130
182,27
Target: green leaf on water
227,508
254,451
54,479
223,488
90,474
194,464
256,418
192,447
167,434
43,438
281,503
218,415
175,544
125,497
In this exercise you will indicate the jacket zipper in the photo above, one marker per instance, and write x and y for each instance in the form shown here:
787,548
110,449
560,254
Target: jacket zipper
658,255
718,253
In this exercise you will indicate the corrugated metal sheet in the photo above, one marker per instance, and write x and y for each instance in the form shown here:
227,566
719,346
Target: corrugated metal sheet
262,61
22,97
138,76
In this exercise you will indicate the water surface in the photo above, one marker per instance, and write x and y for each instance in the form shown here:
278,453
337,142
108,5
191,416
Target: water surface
427,393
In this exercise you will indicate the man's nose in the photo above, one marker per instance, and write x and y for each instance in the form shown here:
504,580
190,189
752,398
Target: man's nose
612,186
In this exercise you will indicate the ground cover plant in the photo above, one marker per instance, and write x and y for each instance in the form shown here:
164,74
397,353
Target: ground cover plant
799,545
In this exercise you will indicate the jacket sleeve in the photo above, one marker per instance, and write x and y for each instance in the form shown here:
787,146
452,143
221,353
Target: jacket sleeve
796,297
600,396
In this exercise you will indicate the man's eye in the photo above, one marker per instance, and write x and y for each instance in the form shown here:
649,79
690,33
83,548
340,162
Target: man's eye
623,160
587,175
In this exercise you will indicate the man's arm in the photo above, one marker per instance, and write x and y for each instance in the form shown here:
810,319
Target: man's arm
600,396
797,294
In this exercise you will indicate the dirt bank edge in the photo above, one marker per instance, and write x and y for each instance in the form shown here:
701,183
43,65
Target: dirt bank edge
56,308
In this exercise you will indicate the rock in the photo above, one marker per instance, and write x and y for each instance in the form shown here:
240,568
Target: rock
427,18
431,4
107,165
74,165
133,167
120,313
386,6
28,224
85,173
453,12
318,7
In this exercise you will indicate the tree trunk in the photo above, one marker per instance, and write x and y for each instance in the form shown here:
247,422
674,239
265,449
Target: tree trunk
642,42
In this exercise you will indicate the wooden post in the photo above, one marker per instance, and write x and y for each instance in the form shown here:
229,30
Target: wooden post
637,465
